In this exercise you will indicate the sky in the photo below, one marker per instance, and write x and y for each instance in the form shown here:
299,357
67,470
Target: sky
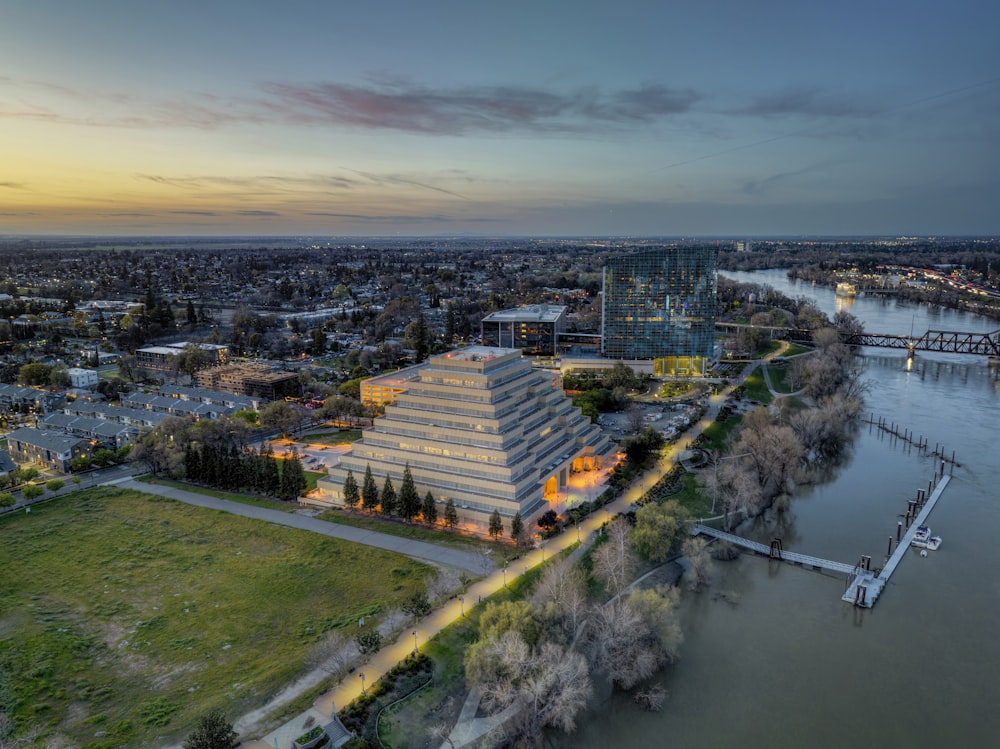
549,117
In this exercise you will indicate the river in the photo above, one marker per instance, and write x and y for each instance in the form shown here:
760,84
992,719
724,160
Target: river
791,665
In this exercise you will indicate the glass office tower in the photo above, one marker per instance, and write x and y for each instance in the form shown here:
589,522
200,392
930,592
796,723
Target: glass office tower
660,304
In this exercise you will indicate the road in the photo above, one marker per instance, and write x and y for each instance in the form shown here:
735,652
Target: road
425,552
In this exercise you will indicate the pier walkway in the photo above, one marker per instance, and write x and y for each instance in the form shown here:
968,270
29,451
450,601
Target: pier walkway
803,560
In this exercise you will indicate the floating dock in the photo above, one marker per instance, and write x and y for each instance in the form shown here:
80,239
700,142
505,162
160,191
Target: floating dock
864,584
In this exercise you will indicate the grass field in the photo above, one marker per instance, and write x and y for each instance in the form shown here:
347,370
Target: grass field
756,388
131,615
331,438
248,499
422,533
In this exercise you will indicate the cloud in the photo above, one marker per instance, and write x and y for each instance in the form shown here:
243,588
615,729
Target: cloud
761,186
411,107
14,185
193,213
128,215
808,101
378,104
262,181
257,213
399,218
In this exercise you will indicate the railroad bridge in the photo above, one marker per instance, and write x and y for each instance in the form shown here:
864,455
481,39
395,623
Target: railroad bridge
944,341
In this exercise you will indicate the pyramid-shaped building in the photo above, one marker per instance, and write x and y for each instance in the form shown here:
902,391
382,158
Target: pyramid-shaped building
479,426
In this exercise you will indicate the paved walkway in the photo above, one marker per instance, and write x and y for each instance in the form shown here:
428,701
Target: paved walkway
426,552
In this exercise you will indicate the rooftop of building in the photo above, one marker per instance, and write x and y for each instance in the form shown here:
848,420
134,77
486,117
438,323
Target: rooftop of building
528,313
398,378
476,354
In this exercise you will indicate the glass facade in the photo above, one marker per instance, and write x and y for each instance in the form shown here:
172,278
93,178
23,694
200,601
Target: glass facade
660,304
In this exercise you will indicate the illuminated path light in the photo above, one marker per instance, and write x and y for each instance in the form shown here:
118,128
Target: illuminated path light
381,662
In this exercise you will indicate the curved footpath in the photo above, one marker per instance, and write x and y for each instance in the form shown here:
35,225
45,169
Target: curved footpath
380,663
421,550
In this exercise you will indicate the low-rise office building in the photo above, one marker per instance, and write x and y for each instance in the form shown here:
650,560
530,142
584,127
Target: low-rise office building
533,328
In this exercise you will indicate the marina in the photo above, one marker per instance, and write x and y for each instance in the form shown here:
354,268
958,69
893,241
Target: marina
864,584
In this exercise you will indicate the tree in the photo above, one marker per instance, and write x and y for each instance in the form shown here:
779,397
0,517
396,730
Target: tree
192,316
387,500
429,509
631,637
450,513
417,605
213,731
614,560
279,415
7,499
657,527
409,500
496,524
351,495
293,479
698,571
561,595
35,374
517,528
32,491
369,491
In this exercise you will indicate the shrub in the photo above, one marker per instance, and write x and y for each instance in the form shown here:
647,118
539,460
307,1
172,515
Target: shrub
55,485
32,492
7,499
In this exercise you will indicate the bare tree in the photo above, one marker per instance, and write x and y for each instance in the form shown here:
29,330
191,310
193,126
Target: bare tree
561,595
443,585
335,653
614,560
636,418
699,563
631,637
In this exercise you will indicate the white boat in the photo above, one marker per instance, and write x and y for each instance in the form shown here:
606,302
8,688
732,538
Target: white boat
923,539
846,289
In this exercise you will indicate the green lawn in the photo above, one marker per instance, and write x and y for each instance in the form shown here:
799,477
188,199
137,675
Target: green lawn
694,497
331,438
248,499
794,349
779,377
756,388
717,433
132,615
421,533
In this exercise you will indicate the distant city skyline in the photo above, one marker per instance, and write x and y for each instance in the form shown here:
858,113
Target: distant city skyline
450,118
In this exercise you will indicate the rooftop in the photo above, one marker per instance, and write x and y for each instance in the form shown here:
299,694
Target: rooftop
528,313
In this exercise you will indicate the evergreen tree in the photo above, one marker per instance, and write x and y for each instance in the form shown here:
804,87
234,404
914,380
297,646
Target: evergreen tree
517,528
429,509
449,326
192,317
192,463
369,491
388,498
293,479
409,500
496,524
351,495
450,513
270,478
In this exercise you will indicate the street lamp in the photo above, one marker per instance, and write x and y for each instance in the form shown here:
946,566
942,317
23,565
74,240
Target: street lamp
461,601
505,574
363,692
577,531
414,642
